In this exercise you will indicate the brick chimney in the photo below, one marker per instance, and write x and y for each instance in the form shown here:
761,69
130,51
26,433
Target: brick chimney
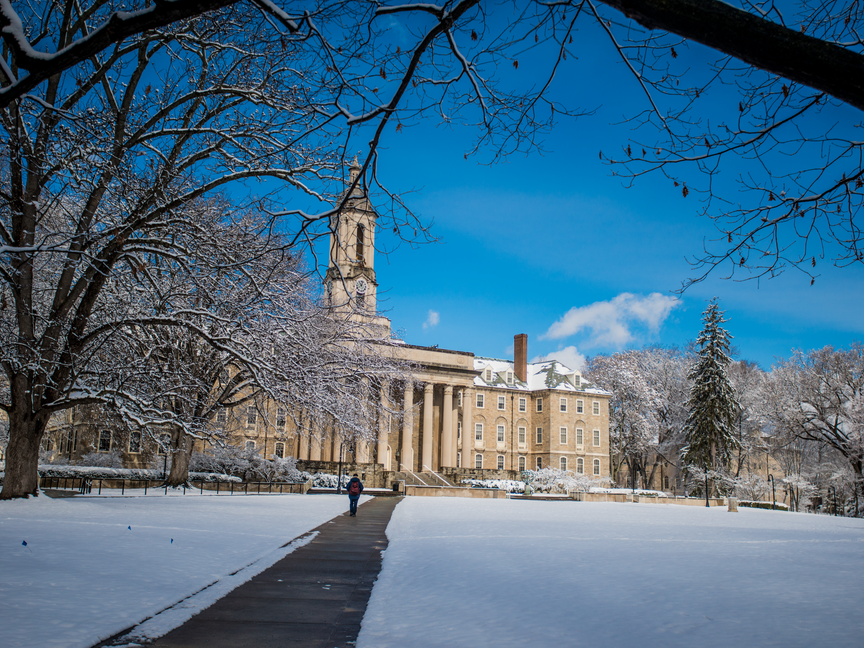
520,356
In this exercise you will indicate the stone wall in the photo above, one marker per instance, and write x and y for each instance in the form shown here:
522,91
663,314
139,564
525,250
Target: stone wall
372,475
456,475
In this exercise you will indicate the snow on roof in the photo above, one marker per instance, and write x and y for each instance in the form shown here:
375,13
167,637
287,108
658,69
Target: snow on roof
549,374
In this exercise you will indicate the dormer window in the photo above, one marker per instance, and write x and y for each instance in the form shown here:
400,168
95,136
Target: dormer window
577,381
509,377
488,375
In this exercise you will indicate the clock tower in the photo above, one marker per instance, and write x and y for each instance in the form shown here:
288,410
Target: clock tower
350,280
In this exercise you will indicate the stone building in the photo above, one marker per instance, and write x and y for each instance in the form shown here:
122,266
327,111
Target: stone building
461,414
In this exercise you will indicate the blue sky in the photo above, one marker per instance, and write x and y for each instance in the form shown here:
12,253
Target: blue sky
528,241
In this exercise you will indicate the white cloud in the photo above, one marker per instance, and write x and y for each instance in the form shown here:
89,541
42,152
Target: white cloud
612,323
567,356
432,319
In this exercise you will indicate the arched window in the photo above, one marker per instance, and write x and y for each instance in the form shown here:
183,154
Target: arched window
280,450
563,463
361,241
539,463
521,464
580,465
597,467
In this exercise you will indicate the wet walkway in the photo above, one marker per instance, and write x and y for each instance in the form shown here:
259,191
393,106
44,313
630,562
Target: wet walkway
315,597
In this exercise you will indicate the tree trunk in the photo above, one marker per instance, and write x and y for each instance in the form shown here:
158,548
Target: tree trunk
182,452
22,453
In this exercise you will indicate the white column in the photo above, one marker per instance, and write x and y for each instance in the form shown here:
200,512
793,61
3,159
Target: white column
453,434
468,429
384,426
428,392
447,427
407,460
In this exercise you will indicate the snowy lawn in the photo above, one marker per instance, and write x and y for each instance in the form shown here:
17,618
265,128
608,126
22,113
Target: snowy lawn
85,575
465,572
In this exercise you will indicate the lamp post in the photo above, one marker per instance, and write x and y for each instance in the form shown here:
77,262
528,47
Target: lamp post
773,492
706,489
339,471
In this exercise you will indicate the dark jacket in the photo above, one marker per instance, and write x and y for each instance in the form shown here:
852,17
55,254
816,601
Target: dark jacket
354,479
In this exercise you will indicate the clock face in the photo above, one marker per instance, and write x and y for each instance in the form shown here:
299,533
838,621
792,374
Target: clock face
361,286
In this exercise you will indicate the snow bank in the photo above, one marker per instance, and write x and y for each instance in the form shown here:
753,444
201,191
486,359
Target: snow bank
472,572
92,567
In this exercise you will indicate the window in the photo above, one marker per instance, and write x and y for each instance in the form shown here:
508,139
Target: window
523,405
563,432
478,431
458,459
163,443
488,375
579,438
280,418
509,377
563,463
597,438
250,445
540,435
522,434
69,442
577,381
500,462
501,403
280,450
459,430
580,466
478,461
562,404
105,441
361,240
580,406
596,407
251,415
521,464
666,482
459,398
596,466
539,404
539,463
500,434
221,416
480,400
135,441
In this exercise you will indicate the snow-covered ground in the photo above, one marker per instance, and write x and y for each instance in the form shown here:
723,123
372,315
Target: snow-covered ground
95,566
498,573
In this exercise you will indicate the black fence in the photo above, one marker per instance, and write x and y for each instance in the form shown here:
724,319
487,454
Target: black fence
85,486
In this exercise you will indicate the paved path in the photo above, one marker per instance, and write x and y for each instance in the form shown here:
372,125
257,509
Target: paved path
315,597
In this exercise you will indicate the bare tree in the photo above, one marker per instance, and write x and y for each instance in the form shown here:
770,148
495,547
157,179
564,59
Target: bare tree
633,424
103,170
823,392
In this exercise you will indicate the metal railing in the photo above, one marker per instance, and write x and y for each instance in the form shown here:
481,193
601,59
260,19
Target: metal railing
84,485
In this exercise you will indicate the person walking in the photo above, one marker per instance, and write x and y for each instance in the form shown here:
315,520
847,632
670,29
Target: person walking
355,487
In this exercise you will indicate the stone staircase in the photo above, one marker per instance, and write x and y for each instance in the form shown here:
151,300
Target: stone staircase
420,479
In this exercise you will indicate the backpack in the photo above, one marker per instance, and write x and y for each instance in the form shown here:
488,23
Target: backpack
354,487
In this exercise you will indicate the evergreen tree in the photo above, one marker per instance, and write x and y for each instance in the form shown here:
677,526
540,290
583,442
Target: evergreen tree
713,404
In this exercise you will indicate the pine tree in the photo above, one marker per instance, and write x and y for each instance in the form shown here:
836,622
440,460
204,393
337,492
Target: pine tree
713,404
